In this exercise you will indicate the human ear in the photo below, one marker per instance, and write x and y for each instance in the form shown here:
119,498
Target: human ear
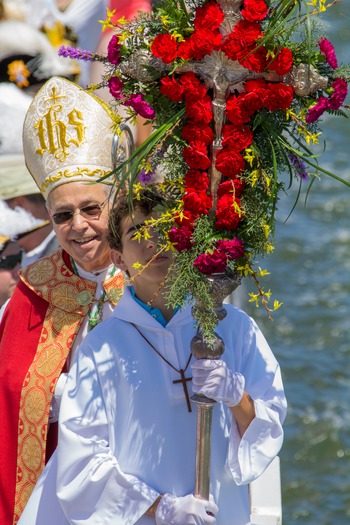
117,259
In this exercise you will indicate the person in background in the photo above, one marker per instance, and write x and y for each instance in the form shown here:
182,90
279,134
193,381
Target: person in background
10,260
19,191
61,297
75,20
127,441
13,224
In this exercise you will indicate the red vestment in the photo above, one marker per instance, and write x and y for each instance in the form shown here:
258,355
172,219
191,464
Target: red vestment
37,332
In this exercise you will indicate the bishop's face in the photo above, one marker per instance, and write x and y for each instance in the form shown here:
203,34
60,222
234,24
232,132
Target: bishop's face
79,213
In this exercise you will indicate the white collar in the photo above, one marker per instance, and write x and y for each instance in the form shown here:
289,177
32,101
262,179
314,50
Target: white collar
97,277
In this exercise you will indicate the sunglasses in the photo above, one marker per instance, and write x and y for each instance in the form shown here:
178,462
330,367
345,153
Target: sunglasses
9,262
88,212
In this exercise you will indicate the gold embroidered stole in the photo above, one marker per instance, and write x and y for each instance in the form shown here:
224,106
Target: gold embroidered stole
70,298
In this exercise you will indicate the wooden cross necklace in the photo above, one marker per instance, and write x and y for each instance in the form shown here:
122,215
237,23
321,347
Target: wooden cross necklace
183,379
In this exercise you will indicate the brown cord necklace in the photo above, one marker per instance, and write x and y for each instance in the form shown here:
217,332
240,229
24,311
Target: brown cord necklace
183,379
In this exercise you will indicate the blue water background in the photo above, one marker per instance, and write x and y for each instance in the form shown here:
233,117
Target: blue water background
310,334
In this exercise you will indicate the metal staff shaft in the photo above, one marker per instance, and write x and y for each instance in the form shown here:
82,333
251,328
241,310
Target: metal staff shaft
204,419
220,286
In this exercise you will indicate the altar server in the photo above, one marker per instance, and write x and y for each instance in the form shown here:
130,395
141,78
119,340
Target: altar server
127,445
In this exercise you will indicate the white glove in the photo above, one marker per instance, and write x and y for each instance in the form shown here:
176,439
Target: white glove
186,510
213,379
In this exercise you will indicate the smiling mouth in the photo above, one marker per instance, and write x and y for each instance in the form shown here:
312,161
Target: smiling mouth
84,241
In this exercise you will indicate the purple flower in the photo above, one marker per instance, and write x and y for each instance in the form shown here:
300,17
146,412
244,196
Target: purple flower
327,49
76,54
299,166
317,110
116,87
145,177
140,106
339,94
113,50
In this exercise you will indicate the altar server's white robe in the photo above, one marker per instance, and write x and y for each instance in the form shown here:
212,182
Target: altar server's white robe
126,435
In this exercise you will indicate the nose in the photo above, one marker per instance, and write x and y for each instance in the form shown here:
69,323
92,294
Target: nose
78,222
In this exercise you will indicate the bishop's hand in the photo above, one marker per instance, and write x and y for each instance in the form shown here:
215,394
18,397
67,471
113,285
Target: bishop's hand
186,510
212,378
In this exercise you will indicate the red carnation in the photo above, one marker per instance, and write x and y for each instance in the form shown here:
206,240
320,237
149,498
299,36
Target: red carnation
234,248
248,32
256,85
196,180
282,62
181,238
254,10
187,218
164,46
184,50
240,108
199,111
203,42
192,87
209,263
201,132
113,50
278,96
171,88
210,16
255,60
197,203
237,137
235,187
227,218
196,155
242,40
230,163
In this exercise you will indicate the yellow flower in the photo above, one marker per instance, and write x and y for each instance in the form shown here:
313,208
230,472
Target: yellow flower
18,73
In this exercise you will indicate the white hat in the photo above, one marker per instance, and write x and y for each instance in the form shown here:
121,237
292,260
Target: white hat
67,136
14,104
15,222
15,179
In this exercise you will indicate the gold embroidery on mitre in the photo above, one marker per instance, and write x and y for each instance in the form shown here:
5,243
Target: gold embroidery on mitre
96,174
56,136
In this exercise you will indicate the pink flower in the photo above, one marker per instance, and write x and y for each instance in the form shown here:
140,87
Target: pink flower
116,87
339,94
317,110
113,50
233,248
181,238
209,263
327,49
140,106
